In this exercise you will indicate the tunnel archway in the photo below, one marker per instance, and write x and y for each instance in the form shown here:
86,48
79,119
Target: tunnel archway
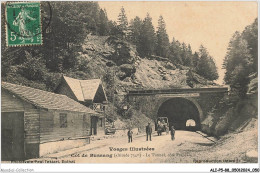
178,110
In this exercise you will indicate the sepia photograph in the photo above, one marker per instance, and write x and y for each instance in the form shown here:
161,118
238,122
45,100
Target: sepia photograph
164,82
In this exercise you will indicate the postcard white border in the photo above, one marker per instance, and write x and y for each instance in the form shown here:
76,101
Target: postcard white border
158,167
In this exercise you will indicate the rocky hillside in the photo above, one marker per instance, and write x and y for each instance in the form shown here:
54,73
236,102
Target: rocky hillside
103,55
113,60
120,67
117,63
233,114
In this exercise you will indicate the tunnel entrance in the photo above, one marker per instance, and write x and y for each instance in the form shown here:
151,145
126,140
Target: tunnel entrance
180,112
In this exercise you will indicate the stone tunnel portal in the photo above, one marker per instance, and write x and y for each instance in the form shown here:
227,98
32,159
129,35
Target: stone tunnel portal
179,110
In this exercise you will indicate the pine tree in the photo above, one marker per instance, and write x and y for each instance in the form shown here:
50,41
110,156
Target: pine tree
123,22
135,28
250,34
206,66
103,25
195,60
238,63
148,37
175,52
241,59
113,28
189,56
162,46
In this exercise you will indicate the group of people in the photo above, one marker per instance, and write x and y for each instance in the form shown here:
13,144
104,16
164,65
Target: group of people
149,131
162,127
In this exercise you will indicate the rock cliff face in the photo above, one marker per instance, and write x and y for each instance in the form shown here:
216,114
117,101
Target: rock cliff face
121,69
110,55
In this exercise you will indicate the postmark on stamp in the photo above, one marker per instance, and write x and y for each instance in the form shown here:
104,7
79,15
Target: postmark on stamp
23,24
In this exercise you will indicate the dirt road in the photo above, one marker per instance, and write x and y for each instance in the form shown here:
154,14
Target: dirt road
117,150
188,147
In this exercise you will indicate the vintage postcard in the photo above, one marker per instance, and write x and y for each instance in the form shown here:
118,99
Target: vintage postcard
163,82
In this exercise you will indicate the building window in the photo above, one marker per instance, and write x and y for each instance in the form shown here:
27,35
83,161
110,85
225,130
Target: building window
63,121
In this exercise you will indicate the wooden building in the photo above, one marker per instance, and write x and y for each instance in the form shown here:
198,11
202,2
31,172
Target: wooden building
89,93
36,122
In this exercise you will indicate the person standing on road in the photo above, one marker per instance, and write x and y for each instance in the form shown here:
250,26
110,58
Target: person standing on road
130,135
148,132
172,133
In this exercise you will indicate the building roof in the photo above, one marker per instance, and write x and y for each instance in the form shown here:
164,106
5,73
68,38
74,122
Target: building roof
84,89
45,99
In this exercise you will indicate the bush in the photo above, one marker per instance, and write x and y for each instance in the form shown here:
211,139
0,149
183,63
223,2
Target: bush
82,63
52,80
225,121
34,68
124,52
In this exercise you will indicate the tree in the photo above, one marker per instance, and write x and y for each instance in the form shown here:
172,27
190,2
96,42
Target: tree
162,46
113,28
184,50
33,68
70,23
103,25
148,37
189,56
206,66
250,34
123,22
175,52
135,28
238,62
195,60
63,36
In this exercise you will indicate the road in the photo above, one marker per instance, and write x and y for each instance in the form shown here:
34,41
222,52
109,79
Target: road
188,147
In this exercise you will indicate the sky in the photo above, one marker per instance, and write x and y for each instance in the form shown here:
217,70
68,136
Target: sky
211,24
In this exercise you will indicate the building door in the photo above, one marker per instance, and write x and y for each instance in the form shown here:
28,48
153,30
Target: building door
94,121
12,130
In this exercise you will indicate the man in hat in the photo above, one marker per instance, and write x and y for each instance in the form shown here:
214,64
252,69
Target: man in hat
172,132
148,132
130,135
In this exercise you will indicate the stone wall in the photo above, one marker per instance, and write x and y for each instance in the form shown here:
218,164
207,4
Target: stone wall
149,104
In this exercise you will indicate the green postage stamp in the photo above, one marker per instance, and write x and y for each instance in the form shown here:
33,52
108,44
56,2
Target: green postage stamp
23,23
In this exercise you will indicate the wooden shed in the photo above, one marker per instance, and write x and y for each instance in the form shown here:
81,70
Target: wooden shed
89,93
36,122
